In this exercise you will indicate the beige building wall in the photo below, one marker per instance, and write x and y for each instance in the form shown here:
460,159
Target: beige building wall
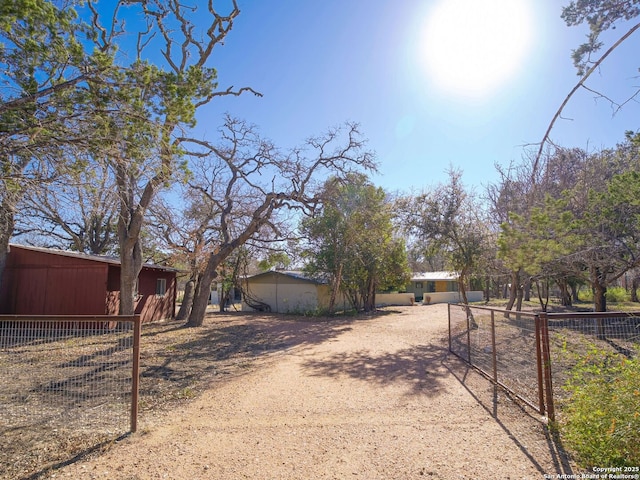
452,297
324,295
284,294
289,294
384,299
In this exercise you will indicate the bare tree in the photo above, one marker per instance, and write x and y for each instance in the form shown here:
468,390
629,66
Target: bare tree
600,16
255,183
184,239
448,220
186,227
75,210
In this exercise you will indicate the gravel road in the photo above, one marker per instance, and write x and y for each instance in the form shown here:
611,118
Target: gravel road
377,398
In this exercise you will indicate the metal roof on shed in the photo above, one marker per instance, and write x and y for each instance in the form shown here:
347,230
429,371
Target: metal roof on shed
297,274
86,256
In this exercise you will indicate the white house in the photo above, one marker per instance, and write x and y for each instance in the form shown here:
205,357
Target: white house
439,287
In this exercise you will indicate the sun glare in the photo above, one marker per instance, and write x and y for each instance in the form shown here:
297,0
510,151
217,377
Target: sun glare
472,47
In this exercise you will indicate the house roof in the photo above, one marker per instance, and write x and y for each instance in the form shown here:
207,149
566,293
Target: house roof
296,274
433,276
416,277
95,258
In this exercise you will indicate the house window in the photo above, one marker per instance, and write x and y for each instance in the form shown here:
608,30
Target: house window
419,285
161,287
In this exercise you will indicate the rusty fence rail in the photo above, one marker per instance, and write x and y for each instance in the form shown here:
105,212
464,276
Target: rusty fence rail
67,381
532,355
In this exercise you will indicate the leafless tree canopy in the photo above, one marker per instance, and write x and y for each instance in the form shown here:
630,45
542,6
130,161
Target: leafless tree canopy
250,184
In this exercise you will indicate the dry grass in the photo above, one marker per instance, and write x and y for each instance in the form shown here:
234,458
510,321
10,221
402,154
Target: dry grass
177,364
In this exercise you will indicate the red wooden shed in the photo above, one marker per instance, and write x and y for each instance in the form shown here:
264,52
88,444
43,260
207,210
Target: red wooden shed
43,281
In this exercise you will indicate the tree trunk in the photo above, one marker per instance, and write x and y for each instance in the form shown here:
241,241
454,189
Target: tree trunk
4,253
599,297
543,294
7,223
527,289
223,297
201,298
487,288
462,289
130,221
599,288
600,305
635,283
463,294
201,295
335,288
130,267
574,291
370,296
187,299
520,292
513,289
565,294
11,197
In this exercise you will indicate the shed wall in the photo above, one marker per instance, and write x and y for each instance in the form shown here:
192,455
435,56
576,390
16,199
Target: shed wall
151,306
38,283
45,283
324,296
425,287
284,294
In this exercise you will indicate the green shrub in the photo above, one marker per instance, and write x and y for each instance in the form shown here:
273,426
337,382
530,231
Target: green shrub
614,295
617,295
585,294
601,420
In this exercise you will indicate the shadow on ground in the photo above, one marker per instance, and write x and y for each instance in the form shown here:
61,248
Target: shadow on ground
418,367
176,365
228,344
508,412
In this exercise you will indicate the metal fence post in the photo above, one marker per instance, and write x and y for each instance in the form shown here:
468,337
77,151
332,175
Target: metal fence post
546,356
493,347
467,311
449,317
135,374
539,362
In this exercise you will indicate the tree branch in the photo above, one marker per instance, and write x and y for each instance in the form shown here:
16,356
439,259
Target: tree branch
584,78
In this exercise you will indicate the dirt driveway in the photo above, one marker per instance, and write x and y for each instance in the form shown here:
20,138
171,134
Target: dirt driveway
376,398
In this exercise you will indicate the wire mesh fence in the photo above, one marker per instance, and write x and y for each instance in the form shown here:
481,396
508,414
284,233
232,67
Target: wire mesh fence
573,337
66,382
501,344
535,355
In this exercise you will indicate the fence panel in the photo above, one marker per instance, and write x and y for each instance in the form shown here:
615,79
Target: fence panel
573,336
502,344
534,355
66,384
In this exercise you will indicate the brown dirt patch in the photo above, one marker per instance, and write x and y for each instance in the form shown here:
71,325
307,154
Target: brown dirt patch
267,396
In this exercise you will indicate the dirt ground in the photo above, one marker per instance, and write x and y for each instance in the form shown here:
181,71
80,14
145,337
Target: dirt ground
373,397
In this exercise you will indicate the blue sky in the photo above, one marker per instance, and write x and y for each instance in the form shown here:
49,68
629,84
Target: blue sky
319,64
